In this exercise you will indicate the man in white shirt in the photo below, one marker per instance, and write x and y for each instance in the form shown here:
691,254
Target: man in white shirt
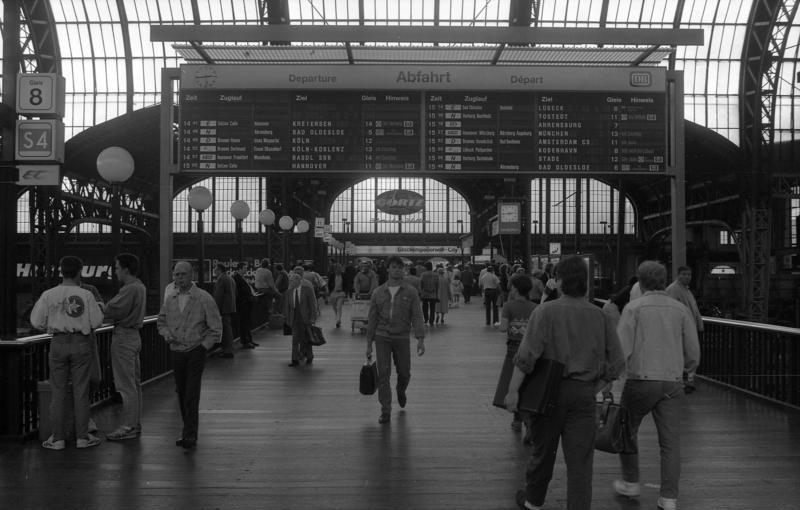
69,313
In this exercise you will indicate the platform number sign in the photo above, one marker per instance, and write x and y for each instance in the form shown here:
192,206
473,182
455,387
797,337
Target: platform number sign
40,94
40,140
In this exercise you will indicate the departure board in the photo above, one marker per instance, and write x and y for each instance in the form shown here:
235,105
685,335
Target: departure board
292,130
570,121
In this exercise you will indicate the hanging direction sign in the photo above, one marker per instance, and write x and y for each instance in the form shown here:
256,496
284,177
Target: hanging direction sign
453,120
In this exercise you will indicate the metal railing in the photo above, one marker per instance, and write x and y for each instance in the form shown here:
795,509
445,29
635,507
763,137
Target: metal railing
23,365
760,359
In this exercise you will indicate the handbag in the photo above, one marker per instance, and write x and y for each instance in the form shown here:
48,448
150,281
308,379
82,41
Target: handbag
315,336
538,392
368,378
614,434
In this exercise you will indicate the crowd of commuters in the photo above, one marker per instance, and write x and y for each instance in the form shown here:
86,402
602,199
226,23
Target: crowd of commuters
645,337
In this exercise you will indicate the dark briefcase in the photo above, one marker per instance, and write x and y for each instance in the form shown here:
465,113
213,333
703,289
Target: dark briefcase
538,392
368,378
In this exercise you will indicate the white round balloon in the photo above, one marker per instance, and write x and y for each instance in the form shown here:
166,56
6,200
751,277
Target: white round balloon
266,217
240,210
200,198
286,222
115,164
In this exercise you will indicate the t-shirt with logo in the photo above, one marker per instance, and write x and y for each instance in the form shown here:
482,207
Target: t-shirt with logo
66,309
517,311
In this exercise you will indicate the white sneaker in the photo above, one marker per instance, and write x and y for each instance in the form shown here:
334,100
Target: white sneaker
667,503
629,489
88,441
51,444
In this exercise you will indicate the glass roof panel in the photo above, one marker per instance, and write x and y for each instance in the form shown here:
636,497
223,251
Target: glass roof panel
89,29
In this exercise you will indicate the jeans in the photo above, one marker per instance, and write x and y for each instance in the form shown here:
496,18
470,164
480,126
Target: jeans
188,370
428,310
227,333
665,400
385,350
126,345
572,420
490,302
70,357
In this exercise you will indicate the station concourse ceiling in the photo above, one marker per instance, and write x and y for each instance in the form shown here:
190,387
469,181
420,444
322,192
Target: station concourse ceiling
111,54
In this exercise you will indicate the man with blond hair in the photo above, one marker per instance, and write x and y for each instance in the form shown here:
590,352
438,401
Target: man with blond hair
659,342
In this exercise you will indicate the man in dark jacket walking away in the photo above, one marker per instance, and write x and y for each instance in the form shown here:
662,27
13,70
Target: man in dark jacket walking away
225,297
244,306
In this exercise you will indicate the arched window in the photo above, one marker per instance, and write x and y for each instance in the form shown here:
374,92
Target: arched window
577,206
355,210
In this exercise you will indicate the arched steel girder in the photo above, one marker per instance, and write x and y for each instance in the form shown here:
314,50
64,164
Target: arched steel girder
38,38
80,202
762,57
764,49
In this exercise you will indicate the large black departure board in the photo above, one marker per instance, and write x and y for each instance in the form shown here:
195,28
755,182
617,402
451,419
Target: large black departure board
293,130
437,130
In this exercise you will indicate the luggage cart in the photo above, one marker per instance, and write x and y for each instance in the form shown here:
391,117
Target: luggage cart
359,309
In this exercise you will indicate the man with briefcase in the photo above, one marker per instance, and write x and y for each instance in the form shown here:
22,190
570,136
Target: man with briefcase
574,332
394,310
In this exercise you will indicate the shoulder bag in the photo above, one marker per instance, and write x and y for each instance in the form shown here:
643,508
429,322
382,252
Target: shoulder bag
315,336
614,434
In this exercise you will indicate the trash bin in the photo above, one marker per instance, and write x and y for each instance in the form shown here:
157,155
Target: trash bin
45,425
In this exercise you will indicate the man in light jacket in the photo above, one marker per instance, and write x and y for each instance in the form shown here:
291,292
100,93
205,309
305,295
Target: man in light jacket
659,342
394,310
190,323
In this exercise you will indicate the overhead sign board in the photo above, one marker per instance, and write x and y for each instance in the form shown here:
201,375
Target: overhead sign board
41,94
453,120
40,140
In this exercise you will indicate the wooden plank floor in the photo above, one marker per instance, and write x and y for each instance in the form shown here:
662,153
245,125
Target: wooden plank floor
272,437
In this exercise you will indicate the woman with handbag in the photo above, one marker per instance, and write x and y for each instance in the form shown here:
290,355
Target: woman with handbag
576,333
659,340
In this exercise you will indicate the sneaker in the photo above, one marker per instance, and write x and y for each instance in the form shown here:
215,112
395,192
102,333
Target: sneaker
516,425
123,433
667,503
52,444
401,398
92,427
88,441
629,489
385,418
